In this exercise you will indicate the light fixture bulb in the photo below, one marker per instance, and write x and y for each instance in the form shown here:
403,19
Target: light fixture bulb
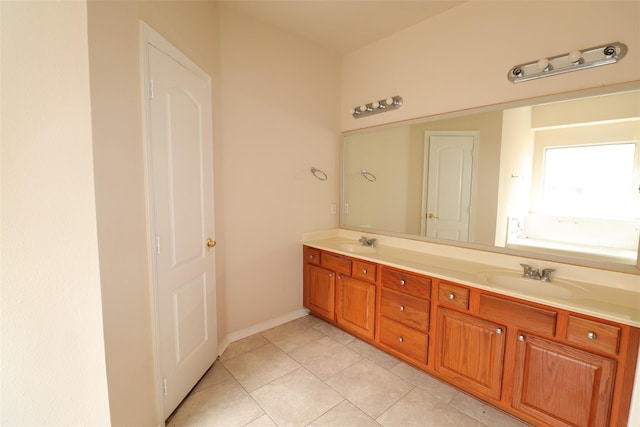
352,111
363,108
575,57
389,101
375,104
543,65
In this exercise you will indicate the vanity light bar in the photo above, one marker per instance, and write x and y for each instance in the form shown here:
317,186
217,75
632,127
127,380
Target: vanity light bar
376,107
572,61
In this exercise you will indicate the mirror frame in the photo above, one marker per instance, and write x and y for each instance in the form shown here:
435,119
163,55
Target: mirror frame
571,257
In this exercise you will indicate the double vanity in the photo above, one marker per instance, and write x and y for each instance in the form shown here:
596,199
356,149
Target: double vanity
558,353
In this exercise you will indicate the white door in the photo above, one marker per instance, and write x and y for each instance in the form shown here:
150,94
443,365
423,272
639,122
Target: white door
179,114
449,173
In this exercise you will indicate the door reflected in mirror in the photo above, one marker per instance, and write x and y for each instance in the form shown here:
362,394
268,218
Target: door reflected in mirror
557,179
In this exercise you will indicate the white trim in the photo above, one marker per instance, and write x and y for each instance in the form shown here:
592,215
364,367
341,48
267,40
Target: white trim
263,326
222,345
152,37
145,31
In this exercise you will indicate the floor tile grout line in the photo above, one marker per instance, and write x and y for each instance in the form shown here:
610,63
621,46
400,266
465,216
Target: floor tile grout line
326,412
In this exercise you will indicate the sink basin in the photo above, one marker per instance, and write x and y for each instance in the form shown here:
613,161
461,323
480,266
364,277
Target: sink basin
356,248
514,281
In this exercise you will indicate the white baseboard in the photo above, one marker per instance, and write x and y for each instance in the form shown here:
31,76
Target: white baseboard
222,346
260,327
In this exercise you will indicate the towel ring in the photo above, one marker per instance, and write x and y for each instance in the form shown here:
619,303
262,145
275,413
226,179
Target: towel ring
319,174
368,176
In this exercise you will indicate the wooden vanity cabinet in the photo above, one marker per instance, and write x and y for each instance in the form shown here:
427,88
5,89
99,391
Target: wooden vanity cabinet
548,366
356,299
404,314
561,385
341,290
320,291
469,350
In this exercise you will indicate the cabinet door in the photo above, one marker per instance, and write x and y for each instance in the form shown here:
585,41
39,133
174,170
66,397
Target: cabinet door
470,352
356,306
561,385
321,290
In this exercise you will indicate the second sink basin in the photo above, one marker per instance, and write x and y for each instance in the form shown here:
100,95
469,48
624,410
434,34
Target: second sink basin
510,280
356,248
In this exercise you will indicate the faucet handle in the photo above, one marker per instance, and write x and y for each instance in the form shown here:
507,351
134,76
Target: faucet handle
526,270
545,274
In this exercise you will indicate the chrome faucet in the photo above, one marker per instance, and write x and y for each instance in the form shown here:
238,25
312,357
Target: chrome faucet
367,242
535,274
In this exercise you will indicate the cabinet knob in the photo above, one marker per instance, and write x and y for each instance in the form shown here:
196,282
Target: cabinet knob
520,337
364,271
402,308
402,282
592,335
310,256
451,296
330,274
499,331
400,339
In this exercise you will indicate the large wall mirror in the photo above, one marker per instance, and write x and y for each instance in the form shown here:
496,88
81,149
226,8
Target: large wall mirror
555,179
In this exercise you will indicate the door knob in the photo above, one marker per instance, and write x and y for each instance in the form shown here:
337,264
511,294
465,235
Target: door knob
432,216
210,243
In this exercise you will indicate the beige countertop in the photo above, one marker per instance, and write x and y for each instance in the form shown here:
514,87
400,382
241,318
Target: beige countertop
619,305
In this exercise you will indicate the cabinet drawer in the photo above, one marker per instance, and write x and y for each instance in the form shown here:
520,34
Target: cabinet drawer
412,284
595,335
405,309
337,263
404,340
529,318
312,255
453,296
365,271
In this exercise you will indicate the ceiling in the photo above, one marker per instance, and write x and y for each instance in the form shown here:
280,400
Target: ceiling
342,25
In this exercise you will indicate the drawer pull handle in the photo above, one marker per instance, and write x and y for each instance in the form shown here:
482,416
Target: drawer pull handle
452,296
520,337
364,271
499,331
400,339
402,308
592,336
402,282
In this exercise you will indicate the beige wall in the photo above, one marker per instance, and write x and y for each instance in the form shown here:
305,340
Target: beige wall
516,158
120,176
386,204
460,59
279,117
52,360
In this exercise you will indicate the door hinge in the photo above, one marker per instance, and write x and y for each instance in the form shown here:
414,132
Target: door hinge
151,92
157,245
164,387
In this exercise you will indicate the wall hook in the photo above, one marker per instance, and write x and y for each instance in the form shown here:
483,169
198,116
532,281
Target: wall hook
319,174
368,176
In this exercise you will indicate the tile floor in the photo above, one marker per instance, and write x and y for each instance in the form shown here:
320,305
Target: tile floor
309,373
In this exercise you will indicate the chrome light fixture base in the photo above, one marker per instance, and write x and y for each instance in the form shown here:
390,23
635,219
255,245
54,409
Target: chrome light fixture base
573,61
376,107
